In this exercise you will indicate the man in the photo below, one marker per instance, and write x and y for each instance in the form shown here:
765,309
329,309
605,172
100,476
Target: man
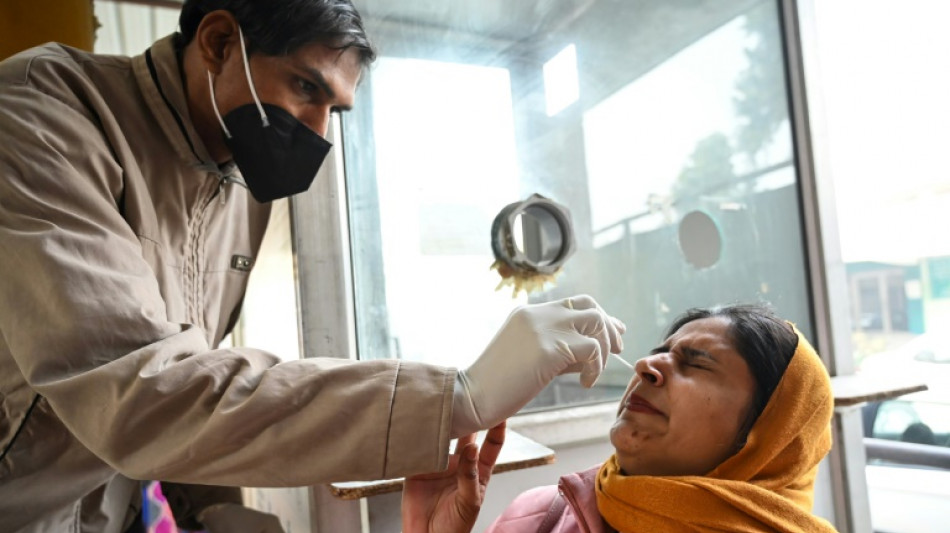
133,193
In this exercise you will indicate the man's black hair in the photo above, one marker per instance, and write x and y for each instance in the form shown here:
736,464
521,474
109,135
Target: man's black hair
280,27
765,341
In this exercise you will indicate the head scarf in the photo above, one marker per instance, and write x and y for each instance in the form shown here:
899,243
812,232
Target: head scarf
766,486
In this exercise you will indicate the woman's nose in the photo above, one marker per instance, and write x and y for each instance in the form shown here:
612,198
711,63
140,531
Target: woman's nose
650,370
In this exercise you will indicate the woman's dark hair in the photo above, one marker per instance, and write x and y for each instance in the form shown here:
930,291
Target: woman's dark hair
279,27
765,341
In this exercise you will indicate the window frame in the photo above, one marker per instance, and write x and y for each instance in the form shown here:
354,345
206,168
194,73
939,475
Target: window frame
826,270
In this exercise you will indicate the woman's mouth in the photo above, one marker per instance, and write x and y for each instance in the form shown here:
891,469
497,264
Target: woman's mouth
638,404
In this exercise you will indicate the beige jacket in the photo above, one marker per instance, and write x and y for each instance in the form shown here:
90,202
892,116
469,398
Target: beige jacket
117,235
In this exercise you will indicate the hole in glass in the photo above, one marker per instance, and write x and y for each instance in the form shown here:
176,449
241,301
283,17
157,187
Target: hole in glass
700,240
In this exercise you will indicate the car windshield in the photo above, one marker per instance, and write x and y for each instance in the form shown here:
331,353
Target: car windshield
928,355
920,418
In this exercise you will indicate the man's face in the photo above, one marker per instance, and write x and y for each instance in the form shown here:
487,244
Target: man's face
682,412
310,83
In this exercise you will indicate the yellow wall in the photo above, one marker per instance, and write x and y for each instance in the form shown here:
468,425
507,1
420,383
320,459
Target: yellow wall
26,23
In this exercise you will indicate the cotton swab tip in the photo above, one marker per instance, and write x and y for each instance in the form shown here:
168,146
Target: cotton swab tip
622,360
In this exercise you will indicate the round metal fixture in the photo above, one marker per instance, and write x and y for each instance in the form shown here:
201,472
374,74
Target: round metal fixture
531,240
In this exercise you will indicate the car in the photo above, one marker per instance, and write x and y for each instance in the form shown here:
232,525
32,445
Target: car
907,440
926,356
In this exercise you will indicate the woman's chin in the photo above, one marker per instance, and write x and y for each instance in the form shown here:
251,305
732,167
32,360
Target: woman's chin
625,449
625,437
628,465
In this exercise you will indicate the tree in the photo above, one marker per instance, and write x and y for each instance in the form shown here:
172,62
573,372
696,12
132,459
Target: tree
708,170
760,89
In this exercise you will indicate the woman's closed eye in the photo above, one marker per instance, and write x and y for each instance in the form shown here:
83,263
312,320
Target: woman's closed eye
692,363
693,359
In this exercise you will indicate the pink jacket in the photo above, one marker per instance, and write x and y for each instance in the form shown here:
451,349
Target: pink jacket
531,509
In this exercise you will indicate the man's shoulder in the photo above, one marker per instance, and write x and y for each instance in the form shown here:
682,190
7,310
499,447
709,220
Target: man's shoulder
54,68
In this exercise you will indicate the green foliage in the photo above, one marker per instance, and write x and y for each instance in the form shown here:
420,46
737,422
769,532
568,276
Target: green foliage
760,89
760,104
709,167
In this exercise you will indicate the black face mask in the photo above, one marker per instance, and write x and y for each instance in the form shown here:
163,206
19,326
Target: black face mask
278,155
276,160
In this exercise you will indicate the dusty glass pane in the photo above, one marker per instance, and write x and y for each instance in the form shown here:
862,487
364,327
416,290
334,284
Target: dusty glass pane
679,109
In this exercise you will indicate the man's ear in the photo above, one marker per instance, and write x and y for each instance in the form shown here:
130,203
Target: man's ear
216,38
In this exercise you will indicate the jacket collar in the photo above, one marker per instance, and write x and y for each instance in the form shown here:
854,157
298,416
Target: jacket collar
159,76
578,489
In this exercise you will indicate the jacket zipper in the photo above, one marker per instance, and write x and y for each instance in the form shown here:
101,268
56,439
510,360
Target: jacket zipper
224,180
194,287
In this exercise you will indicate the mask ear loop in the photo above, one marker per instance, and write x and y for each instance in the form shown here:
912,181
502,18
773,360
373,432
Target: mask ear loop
250,82
214,105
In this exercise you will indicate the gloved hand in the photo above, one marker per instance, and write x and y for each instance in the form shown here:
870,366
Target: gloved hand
536,344
236,518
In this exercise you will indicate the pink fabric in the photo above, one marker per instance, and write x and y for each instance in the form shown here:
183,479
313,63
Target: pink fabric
529,509
156,513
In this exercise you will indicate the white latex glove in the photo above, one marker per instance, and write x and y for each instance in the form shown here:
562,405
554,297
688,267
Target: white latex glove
236,518
536,344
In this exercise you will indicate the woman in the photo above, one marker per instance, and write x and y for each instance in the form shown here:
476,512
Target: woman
721,429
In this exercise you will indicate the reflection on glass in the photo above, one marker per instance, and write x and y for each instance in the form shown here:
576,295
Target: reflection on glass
445,164
560,80
454,123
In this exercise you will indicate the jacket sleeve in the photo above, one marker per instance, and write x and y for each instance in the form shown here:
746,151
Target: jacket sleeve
83,318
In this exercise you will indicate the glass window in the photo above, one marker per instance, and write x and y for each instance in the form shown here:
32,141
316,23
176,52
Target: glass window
887,120
888,124
637,117
126,28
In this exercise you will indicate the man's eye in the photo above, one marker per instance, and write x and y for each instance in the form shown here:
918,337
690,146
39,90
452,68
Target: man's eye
307,87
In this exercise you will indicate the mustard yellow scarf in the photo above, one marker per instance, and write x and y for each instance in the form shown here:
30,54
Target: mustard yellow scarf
766,486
